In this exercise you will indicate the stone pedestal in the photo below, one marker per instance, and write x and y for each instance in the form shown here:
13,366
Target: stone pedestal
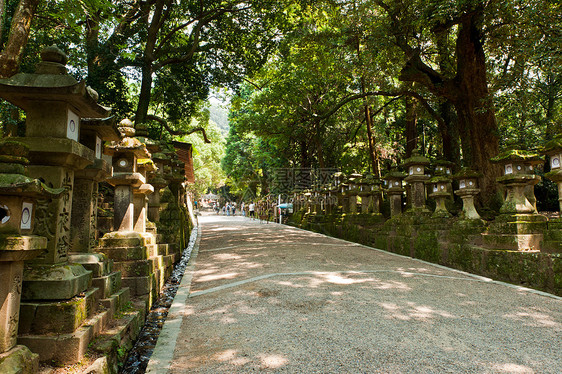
468,209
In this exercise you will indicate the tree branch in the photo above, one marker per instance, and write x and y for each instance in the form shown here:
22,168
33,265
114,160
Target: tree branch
165,124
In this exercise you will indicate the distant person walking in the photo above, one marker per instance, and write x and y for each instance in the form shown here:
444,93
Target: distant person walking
252,210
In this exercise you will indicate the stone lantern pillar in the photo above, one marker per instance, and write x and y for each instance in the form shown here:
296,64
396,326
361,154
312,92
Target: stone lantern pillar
18,197
365,192
353,191
415,167
518,227
376,196
344,193
554,149
394,191
338,192
468,189
140,195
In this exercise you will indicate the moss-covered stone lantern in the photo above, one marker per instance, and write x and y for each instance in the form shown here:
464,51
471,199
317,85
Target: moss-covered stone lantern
375,185
517,176
415,167
439,191
518,227
54,103
468,189
365,192
553,149
394,190
353,183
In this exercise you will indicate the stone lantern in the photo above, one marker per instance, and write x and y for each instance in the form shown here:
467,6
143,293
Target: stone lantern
365,192
93,134
468,189
54,103
554,149
439,188
415,167
517,175
376,196
518,227
126,175
18,197
353,191
395,190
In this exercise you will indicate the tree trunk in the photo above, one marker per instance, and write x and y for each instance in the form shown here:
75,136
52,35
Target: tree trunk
148,58
372,148
450,135
2,19
473,105
10,57
411,126
145,91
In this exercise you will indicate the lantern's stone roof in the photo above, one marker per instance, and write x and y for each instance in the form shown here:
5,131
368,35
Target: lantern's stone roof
106,128
517,155
416,159
147,163
553,146
467,173
440,179
395,174
51,82
13,176
443,163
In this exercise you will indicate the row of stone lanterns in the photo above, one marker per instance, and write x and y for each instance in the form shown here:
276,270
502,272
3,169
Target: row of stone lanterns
48,213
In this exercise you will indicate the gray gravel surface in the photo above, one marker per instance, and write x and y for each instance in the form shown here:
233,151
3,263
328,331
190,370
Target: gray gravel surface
274,299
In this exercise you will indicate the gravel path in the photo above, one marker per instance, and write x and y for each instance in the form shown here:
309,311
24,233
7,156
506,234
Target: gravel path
275,299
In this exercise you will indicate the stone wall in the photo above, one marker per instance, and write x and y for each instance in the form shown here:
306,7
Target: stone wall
451,242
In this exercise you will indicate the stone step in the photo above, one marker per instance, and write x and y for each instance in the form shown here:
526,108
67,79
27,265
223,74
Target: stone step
115,342
107,284
514,242
66,316
127,253
66,349
142,285
139,267
117,302
163,249
98,263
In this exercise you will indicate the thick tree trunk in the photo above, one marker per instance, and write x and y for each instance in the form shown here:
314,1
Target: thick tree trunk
145,92
10,57
473,105
375,168
411,126
450,135
2,19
